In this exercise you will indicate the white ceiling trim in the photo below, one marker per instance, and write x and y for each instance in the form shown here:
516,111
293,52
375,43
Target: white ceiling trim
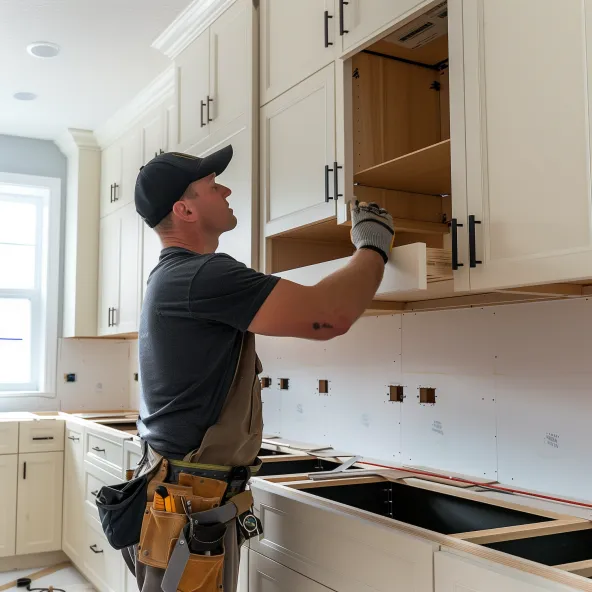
189,25
147,99
73,140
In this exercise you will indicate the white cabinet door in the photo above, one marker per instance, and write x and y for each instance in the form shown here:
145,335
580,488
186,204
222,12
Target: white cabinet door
39,508
241,242
170,126
456,574
231,54
131,161
151,248
192,88
103,565
153,135
528,140
266,575
243,571
359,20
8,478
126,316
109,247
297,146
293,43
110,176
72,532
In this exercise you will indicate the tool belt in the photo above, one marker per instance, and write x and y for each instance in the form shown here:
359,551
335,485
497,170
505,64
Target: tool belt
178,514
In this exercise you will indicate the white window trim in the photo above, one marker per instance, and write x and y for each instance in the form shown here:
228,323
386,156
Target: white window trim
51,189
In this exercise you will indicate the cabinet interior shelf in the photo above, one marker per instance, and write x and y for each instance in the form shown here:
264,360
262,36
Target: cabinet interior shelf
425,171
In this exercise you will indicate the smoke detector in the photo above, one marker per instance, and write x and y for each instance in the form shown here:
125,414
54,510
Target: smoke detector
43,49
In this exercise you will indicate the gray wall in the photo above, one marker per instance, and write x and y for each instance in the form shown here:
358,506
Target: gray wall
28,156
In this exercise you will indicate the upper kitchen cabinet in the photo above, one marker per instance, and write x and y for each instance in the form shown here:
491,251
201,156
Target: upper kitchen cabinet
297,39
393,146
120,164
528,141
214,77
118,272
298,155
192,91
158,131
360,20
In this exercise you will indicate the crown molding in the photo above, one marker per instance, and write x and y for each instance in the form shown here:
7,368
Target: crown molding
189,25
73,140
147,99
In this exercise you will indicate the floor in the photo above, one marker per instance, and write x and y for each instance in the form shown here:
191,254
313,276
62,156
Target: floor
67,578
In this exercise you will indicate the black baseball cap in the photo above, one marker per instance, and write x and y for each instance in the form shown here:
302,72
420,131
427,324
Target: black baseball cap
165,178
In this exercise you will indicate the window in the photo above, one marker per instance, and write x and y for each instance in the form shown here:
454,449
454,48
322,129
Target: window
29,270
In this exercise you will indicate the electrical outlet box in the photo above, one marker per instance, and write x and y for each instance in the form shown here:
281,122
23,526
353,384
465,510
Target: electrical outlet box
70,377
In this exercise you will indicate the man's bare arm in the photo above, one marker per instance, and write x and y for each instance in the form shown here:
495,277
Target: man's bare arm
325,310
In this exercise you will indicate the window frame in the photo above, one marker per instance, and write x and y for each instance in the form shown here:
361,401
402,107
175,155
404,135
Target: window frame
45,191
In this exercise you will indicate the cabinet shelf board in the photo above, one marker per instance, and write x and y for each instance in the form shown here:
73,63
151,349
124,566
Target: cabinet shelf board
417,226
425,171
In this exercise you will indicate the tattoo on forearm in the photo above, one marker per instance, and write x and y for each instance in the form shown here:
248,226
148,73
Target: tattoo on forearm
319,326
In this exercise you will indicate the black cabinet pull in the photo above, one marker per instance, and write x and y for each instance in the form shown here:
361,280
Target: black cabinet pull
115,186
327,171
210,100
336,168
155,154
73,438
327,17
43,438
454,231
201,113
342,29
109,318
111,193
113,318
95,549
95,493
97,449
161,151
25,470
473,242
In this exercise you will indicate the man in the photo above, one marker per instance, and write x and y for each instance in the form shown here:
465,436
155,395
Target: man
200,396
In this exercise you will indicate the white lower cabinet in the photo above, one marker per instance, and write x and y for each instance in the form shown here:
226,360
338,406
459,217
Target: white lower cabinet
8,478
329,547
39,507
456,574
103,565
266,575
73,534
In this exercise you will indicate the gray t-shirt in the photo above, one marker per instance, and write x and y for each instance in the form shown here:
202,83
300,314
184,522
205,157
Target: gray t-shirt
194,314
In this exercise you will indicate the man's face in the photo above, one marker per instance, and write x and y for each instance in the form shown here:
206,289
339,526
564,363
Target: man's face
209,200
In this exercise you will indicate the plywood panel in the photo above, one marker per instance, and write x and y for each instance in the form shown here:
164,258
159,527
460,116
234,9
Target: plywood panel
430,55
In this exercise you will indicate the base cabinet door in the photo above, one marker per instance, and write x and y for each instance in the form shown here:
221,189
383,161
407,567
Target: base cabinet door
39,508
528,153
103,565
457,574
73,534
8,478
266,575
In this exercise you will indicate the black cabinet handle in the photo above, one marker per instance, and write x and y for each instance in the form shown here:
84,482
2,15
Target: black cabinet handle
111,193
161,151
115,186
97,449
327,17
155,154
43,438
73,438
25,470
336,168
109,318
473,242
454,231
327,171
342,29
95,549
95,493
201,113
210,100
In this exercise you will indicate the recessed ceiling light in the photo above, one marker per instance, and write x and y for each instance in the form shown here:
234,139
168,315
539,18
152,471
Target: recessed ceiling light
43,49
25,96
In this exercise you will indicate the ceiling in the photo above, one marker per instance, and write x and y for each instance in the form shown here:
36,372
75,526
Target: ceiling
105,60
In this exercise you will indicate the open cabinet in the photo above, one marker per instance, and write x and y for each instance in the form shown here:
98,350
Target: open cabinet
393,147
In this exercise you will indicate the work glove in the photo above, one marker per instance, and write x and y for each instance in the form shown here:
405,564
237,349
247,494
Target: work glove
372,228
